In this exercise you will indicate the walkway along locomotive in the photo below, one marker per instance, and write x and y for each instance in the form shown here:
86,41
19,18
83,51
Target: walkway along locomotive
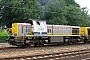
37,33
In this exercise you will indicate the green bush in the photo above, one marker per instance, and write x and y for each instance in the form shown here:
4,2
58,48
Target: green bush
3,35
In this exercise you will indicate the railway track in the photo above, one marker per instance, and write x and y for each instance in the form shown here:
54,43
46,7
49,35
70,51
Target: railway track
53,56
46,47
45,50
15,47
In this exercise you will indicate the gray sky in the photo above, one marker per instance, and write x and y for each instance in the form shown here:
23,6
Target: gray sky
84,3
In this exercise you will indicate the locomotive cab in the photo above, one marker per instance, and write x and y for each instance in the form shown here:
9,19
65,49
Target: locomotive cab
19,32
40,28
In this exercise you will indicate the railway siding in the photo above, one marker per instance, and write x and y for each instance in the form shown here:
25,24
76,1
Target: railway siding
58,55
40,50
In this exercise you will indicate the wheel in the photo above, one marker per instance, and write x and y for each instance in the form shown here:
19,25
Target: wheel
85,40
35,44
41,44
21,46
66,41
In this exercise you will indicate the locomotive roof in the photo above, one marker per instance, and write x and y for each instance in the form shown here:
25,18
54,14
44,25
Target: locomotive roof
88,27
22,23
34,19
64,26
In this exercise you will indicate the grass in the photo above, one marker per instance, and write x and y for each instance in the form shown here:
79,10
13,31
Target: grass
3,35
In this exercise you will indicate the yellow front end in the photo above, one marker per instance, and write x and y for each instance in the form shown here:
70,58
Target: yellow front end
83,31
15,28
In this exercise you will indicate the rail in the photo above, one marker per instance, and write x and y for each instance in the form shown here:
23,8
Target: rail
58,55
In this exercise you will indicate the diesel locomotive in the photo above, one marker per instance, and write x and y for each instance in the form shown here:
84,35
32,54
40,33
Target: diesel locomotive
37,33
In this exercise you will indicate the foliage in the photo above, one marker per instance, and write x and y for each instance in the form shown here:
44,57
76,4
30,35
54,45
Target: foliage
55,10
18,10
43,2
3,35
76,16
71,2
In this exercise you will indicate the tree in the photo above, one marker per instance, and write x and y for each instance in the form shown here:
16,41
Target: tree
18,10
71,2
75,16
43,2
55,11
